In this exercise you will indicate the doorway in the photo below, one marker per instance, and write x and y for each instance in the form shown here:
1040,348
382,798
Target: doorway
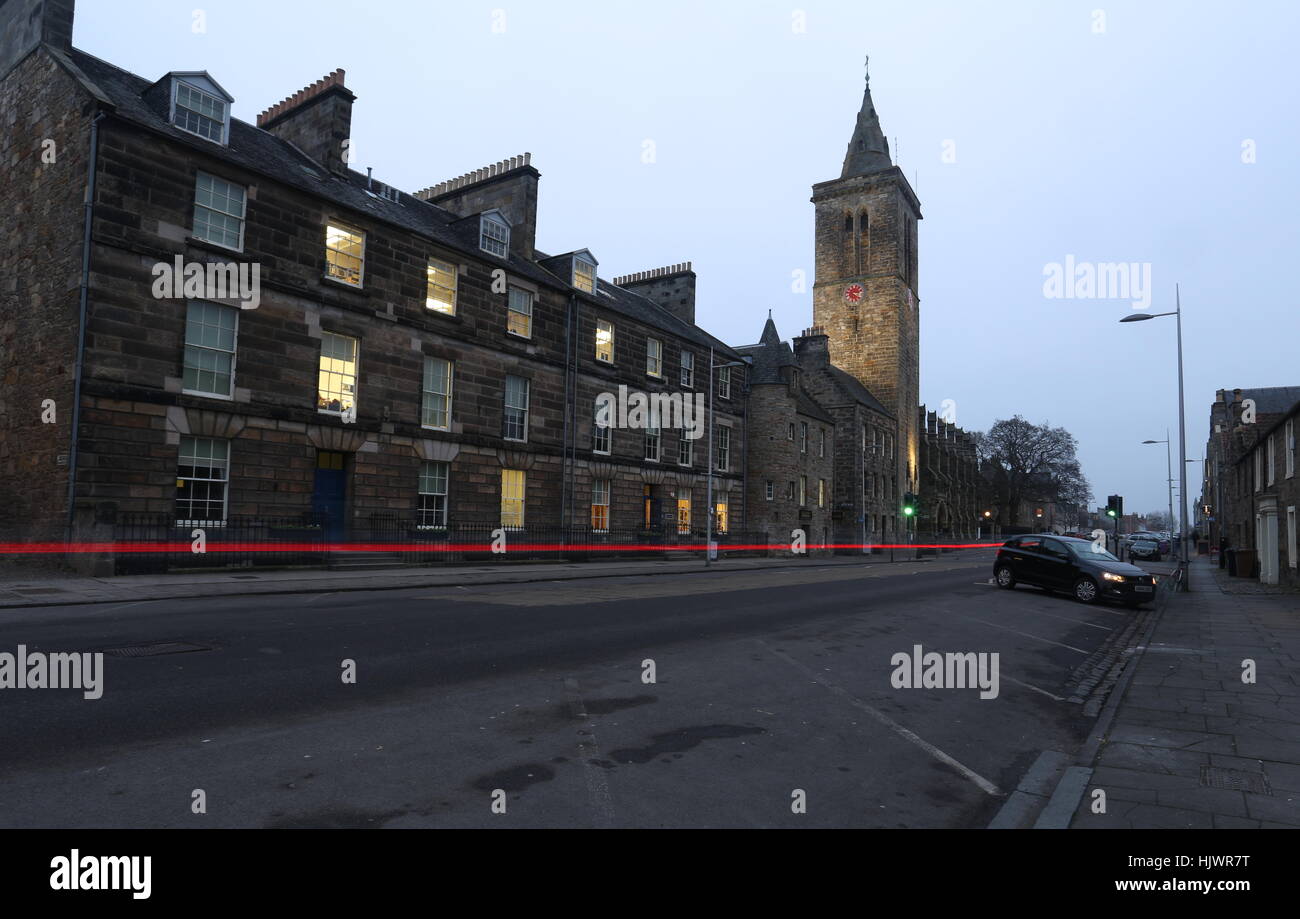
329,493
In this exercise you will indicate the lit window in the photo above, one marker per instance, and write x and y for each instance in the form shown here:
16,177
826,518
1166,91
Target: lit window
519,313
219,211
202,471
345,253
724,382
685,450
432,513
683,510
654,357
688,369
584,275
494,235
821,446
516,409
600,505
435,410
724,449
441,292
209,366
336,388
599,434
652,444
803,437
771,489
803,491
604,341
720,517
821,492
198,112
512,498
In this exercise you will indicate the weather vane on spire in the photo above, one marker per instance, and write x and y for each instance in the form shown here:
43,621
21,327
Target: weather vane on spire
866,67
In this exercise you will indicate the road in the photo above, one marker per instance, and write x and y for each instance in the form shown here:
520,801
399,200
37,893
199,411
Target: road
766,683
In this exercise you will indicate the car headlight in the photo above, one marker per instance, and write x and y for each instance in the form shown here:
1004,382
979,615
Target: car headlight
1112,577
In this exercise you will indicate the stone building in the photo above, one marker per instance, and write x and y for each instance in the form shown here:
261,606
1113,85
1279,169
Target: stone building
950,477
380,359
791,454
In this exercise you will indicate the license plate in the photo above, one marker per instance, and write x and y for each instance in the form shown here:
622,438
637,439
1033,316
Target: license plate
1143,589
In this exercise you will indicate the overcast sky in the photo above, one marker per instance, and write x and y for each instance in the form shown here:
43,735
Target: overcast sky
1111,136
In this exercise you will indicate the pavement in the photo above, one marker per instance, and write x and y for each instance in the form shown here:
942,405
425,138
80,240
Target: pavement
28,589
1192,737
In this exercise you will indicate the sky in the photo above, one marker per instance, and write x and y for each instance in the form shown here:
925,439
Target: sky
1158,134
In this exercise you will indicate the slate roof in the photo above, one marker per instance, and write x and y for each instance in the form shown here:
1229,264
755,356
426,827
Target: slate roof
262,152
1273,399
767,358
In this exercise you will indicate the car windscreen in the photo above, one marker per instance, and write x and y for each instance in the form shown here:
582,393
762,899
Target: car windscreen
1091,550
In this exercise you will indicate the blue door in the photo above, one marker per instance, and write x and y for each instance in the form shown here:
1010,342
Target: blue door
329,493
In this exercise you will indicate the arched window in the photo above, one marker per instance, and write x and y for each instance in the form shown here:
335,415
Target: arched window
864,243
847,260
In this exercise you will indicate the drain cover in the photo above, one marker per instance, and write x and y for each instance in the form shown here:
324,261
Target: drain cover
1235,780
157,648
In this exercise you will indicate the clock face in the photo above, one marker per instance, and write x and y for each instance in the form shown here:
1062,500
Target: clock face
853,293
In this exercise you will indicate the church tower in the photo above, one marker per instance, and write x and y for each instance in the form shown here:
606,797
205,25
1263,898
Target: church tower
865,285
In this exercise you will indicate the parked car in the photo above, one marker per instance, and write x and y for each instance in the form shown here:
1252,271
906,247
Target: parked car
1146,549
1076,566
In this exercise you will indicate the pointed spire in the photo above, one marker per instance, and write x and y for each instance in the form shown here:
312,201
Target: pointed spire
770,336
868,150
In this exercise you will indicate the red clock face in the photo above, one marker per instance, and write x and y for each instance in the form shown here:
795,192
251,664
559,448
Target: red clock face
853,293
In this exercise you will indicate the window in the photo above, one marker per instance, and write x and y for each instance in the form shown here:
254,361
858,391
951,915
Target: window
516,409
652,444
432,512
789,491
219,211
440,294
519,313
584,275
720,517
821,492
803,437
1288,447
209,363
685,450
494,235
336,389
599,434
345,253
771,489
198,112
202,471
1268,448
600,505
604,341
688,370
435,410
654,357
683,510
1259,467
789,432
1291,557
724,449
821,445
724,382
803,491
512,498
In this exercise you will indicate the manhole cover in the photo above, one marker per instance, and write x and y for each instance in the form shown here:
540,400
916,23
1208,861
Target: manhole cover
157,648
1235,780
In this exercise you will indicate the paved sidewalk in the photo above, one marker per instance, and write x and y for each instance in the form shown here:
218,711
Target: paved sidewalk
1190,743
48,590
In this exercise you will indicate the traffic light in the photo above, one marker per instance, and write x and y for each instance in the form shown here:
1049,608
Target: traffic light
909,505
1114,506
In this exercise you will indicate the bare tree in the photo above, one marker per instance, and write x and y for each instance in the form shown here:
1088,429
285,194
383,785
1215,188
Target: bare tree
1032,462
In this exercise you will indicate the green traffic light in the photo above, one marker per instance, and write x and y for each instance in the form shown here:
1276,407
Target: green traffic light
909,511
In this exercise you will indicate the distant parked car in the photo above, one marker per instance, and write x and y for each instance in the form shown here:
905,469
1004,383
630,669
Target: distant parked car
1074,565
1146,549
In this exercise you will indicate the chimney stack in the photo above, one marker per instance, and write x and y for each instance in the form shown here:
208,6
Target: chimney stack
27,24
317,119
812,348
509,186
672,287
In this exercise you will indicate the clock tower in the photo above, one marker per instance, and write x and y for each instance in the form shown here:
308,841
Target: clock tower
865,286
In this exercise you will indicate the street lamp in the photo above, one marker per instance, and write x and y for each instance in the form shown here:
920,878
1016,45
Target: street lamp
1182,431
1169,474
708,511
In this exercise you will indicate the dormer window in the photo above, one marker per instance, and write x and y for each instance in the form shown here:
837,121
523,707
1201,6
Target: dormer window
199,106
584,274
494,234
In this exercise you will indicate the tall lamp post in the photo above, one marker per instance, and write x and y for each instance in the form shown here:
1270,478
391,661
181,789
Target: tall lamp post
708,533
1182,433
1169,474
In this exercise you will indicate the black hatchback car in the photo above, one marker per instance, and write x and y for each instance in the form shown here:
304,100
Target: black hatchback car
1077,566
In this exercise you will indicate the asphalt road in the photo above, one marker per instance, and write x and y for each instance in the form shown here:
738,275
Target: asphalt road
766,682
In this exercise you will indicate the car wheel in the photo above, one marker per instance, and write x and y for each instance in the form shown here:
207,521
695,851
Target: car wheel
1004,578
1085,590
